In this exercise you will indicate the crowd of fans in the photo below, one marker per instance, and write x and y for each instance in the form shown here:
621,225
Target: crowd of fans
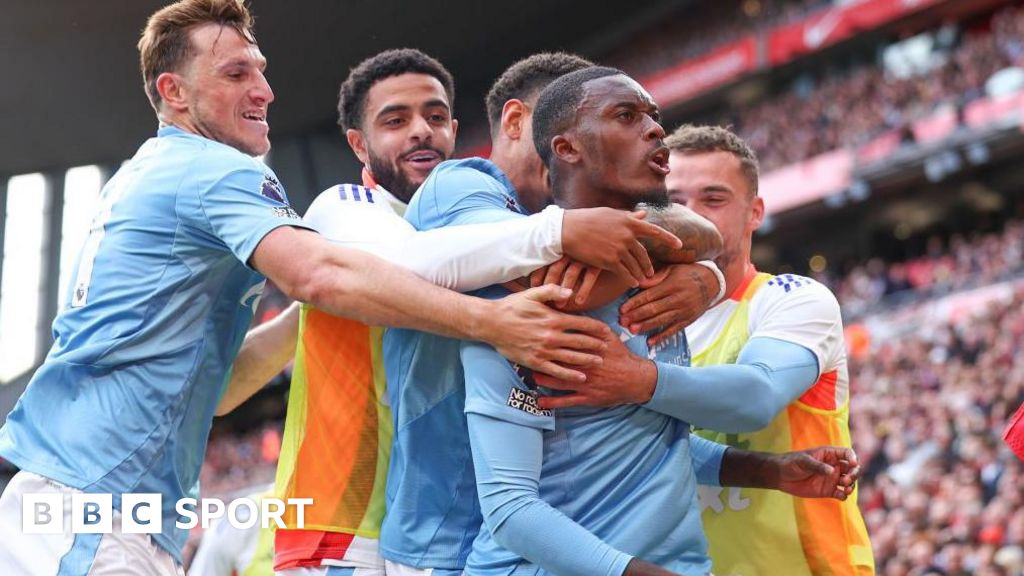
940,493
850,108
962,262
237,462
833,108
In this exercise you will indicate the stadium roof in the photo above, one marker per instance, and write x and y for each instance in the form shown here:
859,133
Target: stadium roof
72,93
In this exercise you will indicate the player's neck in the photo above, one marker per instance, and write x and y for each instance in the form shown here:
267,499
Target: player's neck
735,273
573,191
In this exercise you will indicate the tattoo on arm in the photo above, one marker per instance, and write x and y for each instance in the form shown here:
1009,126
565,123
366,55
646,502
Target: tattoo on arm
695,276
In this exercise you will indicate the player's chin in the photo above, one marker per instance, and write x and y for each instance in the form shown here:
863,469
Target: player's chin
254,146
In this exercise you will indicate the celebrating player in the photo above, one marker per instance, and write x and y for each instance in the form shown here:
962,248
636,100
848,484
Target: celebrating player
395,108
165,288
433,513
787,325
617,483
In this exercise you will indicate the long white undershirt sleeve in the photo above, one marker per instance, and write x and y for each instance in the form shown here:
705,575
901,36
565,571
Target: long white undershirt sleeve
461,258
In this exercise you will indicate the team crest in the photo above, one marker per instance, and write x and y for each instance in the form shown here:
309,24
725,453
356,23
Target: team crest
271,188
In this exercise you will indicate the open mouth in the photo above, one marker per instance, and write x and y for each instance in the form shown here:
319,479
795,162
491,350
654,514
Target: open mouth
255,116
423,159
658,161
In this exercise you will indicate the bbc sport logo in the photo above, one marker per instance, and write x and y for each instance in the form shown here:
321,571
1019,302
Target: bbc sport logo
143,513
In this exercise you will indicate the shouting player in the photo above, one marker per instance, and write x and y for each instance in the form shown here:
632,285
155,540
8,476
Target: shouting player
165,287
396,111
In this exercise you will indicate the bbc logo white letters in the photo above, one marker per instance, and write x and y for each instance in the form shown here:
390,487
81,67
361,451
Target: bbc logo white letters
42,514
141,513
92,513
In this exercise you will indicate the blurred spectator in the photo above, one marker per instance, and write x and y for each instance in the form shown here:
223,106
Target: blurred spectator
833,108
849,109
981,260
941,494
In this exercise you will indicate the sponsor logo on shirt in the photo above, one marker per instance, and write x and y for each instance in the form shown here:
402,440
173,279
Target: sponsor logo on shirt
511,204
271,188
251,298
525,400
285,212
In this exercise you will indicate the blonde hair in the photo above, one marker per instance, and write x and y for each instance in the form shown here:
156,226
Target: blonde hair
165,45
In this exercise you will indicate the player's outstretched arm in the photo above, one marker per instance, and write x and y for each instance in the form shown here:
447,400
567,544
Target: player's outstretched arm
267,349
823,472
768,375
356,285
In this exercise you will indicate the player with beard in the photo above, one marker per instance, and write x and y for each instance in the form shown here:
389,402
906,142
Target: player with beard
591,491
395,109
434,513
165,286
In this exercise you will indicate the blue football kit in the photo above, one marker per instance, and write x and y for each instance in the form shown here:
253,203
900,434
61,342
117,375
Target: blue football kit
158,306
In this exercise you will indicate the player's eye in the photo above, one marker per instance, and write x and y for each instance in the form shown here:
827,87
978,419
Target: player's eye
627,115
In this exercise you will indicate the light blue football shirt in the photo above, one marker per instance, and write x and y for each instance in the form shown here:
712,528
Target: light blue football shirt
623,474
432,509
433,513
157,310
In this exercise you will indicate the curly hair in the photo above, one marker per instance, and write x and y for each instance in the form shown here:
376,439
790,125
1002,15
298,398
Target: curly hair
352,96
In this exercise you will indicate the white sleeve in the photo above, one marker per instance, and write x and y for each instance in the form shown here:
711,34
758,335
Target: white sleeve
461,258
802,311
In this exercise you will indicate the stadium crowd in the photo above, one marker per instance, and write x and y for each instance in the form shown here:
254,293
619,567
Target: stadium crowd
849,108
946,266
941,495
831,108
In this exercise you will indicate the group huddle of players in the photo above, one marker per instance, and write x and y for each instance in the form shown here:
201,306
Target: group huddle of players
577,337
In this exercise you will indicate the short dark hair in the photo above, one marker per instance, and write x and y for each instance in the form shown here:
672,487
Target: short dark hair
352,96
526,78
698,139
557,105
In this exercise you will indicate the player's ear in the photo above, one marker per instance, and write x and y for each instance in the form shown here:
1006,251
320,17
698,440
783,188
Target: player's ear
455,127
756,213
564,148
357,143
513,115
173,91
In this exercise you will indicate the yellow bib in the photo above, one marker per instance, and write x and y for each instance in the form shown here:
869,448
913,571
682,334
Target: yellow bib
755,532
